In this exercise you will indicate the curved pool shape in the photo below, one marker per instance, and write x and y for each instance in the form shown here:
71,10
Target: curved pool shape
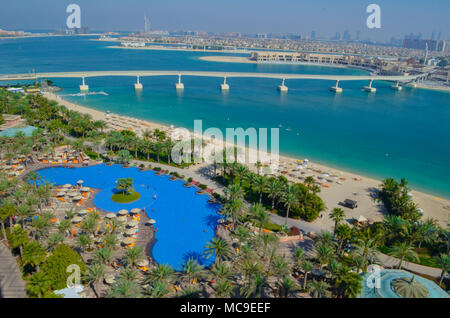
185,221
386,290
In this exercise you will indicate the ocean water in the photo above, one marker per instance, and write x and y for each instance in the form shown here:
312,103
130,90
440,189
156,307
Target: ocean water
386,134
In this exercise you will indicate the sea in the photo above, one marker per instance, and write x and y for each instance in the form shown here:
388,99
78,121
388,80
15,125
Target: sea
400,134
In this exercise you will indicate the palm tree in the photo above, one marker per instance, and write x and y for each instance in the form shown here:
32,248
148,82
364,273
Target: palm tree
158,289
219,247
367,249
337,215
286,287
325,253
349,284
404,252
234,192
34,177
224,288
103,256
125,289
259,183
192,271
133,256
259,213
54,240
38,284
319,289
94,276
309,181
306,267
289,198
161,272
33,254
255,287
19,238
444,263
274,189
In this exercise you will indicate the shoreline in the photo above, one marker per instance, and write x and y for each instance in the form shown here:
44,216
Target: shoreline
162,48
356,186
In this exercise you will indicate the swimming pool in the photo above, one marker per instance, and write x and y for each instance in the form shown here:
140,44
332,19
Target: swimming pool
387,276
185,221
11,132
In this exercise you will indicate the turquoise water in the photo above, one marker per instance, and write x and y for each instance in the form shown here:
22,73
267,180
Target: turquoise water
386,290
179,212
11,132
398,134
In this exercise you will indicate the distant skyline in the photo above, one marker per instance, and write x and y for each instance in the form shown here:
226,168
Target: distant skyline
326,17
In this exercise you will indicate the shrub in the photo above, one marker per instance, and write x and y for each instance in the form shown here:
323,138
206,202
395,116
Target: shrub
156,169
189,179
55,266
202,186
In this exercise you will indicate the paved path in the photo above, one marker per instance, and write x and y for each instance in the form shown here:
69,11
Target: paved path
387,260
11,282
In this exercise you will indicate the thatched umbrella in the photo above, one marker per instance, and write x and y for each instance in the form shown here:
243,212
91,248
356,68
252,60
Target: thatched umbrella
127,241
151,221
61,194
132,224
67,186
85,189
77,198
110,279
135,211
130,232
122,212
83,212
110,215
80,182
77,219
410,288
142,262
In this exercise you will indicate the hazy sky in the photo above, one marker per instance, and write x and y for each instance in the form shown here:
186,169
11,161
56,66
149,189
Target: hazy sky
327,17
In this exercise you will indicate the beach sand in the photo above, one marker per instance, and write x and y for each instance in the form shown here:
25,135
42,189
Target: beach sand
355,187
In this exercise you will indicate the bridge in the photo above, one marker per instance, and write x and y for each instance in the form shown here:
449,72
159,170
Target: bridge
179,85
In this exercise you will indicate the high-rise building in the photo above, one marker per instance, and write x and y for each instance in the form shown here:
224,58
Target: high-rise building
346,36
146,24
433,45
358,35
313,34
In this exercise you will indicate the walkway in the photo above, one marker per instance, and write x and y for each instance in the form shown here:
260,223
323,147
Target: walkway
11,282
143,73
393,262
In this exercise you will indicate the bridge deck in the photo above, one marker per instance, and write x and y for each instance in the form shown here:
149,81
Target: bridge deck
87,74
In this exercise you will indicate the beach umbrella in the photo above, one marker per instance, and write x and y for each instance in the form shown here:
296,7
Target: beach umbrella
361,219
122,218
60,194
122,212
135,211
110,215
77,219
127,241
85,189
80,182
110,279
72,194
130,232
132,224
83,212
142,262
67,186
151,221
77,198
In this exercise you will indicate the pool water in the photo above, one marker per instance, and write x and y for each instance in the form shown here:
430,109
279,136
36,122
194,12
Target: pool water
388,277
185,221
11,132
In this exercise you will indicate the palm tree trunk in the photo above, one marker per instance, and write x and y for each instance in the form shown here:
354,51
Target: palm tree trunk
305,279
3,230
287,214
442,276
94,290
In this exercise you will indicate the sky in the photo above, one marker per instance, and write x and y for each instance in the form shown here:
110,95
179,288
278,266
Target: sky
398,17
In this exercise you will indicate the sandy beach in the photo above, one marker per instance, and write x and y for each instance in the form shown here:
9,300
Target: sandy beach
337,185
165,48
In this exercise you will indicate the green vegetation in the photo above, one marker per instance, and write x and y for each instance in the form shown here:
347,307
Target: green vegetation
125,198
277,194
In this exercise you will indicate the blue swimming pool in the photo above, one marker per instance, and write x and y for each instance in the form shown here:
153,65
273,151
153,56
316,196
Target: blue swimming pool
185,221
11,132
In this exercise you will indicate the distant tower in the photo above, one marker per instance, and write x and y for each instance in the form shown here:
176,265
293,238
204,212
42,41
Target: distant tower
146,24
313,34
426,54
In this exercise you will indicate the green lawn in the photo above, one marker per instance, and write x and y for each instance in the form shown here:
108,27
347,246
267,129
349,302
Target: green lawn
127,198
